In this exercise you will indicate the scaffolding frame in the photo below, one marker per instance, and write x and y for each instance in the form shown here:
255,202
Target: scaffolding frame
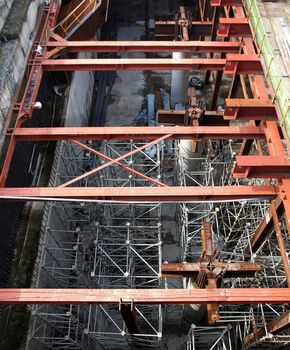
95,245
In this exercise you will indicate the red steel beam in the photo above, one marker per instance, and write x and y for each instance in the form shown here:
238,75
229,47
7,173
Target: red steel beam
235,269
234,27
275,326
265,227
145,46
139,133
141,194
166,29
177,117
280,240
274,142
262,167
145,296
226,3
97,64
243,64
249,109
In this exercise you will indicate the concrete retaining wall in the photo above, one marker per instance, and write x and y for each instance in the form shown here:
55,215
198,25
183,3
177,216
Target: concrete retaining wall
16,41
5,6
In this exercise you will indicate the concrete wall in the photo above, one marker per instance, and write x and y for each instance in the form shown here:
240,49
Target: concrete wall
5,6
15,45
80,97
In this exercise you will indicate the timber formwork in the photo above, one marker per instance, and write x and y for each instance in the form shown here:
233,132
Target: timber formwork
234,209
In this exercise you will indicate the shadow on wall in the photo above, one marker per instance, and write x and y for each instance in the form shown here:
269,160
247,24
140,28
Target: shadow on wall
21,174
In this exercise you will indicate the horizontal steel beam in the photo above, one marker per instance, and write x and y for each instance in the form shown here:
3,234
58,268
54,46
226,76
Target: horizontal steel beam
275,326
243,64
98,64
139,133
262,167
234,27
233,64
226,2
140,194
146,46
249,109
231,270
145,296
177,117
166,29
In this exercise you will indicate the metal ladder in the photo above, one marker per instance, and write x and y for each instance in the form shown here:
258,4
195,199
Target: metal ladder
72,22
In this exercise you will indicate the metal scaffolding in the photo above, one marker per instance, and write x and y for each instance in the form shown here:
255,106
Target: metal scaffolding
102,229
97,245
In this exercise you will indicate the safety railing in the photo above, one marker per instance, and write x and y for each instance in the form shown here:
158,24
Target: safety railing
77,17
272,65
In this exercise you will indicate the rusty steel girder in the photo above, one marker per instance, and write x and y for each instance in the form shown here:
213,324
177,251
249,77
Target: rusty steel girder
165,30
233,64
140,194
275,326
249,109
98,64
139,133
226,2
177,117
145,296
143,46
230,270
262,167
243,64
234,27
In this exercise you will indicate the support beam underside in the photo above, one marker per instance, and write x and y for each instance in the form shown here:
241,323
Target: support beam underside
141,194
145,296
138,133
146,46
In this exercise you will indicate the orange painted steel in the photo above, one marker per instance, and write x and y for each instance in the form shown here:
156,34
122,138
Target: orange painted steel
98,64
243,64
141,194
277,325
226,2
262,167
145,46
249,109
139,133
165,30
234,27
145,296
247,63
